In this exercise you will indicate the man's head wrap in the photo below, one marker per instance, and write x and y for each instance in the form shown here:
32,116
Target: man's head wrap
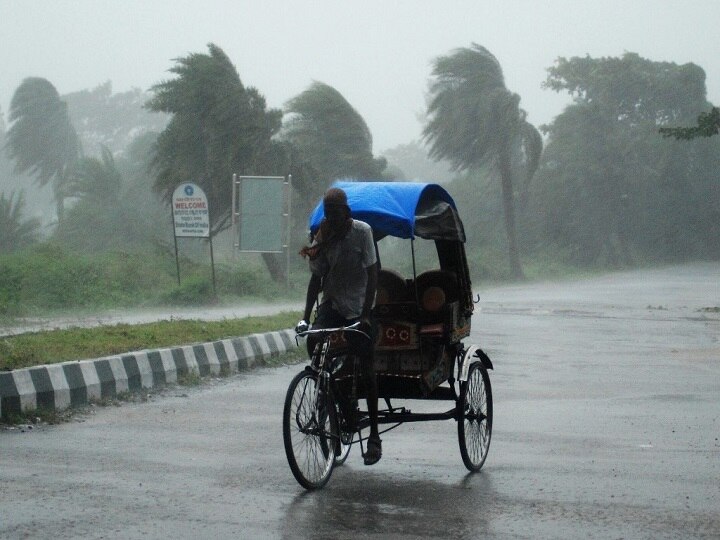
335,197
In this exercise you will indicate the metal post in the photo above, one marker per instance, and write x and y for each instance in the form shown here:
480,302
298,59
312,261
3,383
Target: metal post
212,265
212,258
288,188
236,241
412,249
177,259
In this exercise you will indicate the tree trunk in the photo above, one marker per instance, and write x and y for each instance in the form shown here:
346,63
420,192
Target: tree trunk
509,210
59,199
275,265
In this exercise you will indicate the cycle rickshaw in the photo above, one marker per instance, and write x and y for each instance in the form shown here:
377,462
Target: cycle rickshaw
419,353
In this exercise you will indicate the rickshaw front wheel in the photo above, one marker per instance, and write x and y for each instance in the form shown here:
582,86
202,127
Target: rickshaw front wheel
310,430
475,417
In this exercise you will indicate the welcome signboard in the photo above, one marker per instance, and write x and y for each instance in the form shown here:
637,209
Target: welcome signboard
191,214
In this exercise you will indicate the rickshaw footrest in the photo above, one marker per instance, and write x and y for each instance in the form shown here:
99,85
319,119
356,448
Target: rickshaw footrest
407,416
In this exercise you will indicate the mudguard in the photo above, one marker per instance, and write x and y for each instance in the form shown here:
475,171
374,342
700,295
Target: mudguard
473,354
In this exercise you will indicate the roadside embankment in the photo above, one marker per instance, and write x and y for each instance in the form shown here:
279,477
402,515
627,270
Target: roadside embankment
75,383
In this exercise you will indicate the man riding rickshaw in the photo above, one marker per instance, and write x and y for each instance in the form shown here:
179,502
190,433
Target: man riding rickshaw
379,334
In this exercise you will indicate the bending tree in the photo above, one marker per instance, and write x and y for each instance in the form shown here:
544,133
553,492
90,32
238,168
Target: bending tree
475,121
41,138
218,127
330,140
96,185
95,179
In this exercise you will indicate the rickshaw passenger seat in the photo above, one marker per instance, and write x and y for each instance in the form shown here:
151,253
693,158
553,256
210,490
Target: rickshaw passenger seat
391,288
437,289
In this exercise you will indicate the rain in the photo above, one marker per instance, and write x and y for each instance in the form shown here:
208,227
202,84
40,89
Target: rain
580,143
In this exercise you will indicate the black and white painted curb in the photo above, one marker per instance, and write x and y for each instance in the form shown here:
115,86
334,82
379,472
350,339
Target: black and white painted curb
69,384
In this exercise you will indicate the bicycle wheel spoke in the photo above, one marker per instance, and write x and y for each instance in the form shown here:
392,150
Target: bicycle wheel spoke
474,429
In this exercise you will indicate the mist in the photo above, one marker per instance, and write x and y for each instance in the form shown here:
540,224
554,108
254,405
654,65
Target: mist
604,189
377,54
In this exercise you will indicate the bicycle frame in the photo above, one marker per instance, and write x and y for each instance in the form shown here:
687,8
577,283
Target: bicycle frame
322,363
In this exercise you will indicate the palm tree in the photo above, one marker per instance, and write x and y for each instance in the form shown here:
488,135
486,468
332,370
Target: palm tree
218,127
474,120
328,140
41,139
95,179
96,184
331,134
16,232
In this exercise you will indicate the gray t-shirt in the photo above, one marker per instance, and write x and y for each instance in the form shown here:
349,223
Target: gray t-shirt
343,268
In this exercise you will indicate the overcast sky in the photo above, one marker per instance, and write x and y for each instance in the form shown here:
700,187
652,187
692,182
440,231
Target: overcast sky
376,53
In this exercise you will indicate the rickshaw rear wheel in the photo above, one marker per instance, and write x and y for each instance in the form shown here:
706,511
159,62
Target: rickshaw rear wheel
475,417
310,430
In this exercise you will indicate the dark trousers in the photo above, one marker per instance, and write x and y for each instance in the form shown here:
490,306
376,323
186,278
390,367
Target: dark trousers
327,317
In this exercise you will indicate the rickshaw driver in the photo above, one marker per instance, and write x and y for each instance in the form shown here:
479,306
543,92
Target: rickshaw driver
343,263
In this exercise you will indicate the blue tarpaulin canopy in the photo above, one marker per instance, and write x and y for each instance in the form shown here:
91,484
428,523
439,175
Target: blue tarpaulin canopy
401,209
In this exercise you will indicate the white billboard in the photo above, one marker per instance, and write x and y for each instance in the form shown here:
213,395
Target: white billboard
260,213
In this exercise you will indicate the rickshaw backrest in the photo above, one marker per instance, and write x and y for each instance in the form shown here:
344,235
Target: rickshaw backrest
436,289
432,291
392,288
406,310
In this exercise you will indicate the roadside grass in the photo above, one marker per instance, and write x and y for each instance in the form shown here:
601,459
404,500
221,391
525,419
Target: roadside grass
55,346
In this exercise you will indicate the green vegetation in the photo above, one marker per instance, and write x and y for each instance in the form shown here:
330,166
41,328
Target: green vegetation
326,139
15,230
113,120
611,192
218,127
708,125
331,141
47,278
41,415
603,189
35,348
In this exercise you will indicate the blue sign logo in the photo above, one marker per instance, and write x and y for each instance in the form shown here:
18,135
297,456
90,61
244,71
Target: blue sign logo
189,190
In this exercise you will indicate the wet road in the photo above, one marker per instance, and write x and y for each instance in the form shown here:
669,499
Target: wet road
607,425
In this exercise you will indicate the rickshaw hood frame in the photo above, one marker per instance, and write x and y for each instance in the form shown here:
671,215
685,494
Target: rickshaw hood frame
400,209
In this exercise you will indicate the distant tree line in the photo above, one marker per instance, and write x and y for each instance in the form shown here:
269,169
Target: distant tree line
602,188
610,191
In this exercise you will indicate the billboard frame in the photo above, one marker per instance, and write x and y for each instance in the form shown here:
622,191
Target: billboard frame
237,181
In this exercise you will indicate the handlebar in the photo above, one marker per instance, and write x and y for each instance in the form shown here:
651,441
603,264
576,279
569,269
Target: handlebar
354,328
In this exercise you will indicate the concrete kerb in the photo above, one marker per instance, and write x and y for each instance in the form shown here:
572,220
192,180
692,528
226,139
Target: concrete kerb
70,384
